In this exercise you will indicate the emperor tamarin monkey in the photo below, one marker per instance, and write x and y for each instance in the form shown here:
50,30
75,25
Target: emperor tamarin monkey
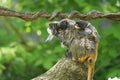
81,39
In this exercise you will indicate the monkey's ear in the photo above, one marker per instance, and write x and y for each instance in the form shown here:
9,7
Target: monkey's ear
81,24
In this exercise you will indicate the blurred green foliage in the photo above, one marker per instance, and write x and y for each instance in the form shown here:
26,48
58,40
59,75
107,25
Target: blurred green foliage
24,54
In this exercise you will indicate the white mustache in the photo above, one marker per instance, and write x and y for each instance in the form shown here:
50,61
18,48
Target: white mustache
50,36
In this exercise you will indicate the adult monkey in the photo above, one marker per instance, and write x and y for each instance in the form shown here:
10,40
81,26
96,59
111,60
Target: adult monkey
81,39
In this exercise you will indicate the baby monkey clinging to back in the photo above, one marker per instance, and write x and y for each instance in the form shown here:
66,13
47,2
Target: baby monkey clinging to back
81,39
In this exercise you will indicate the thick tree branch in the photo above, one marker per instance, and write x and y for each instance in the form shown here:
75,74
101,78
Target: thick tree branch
75,14
65,69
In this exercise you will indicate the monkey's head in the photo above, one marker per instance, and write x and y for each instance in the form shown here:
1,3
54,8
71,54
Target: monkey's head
67,30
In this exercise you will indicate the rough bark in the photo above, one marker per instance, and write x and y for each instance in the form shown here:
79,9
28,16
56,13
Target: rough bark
65,69
57,14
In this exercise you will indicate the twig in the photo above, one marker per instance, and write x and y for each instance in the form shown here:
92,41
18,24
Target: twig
75,14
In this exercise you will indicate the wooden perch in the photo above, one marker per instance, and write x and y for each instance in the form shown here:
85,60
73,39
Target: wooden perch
65,69
75,14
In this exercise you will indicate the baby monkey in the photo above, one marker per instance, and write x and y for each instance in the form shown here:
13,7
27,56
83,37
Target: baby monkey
81,39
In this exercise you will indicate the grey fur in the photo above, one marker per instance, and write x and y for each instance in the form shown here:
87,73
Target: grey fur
79,37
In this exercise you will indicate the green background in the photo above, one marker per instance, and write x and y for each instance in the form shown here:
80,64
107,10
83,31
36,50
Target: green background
24,54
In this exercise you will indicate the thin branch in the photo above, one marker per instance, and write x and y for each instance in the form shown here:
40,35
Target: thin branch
75,14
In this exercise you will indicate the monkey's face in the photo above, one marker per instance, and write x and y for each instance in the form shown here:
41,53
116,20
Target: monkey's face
62,30
67,30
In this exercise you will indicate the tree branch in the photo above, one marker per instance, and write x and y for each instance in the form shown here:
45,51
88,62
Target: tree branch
65,69
75,14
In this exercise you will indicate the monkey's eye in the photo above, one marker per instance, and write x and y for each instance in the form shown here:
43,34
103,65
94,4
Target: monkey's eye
77,25
81,24
59,30
63,25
